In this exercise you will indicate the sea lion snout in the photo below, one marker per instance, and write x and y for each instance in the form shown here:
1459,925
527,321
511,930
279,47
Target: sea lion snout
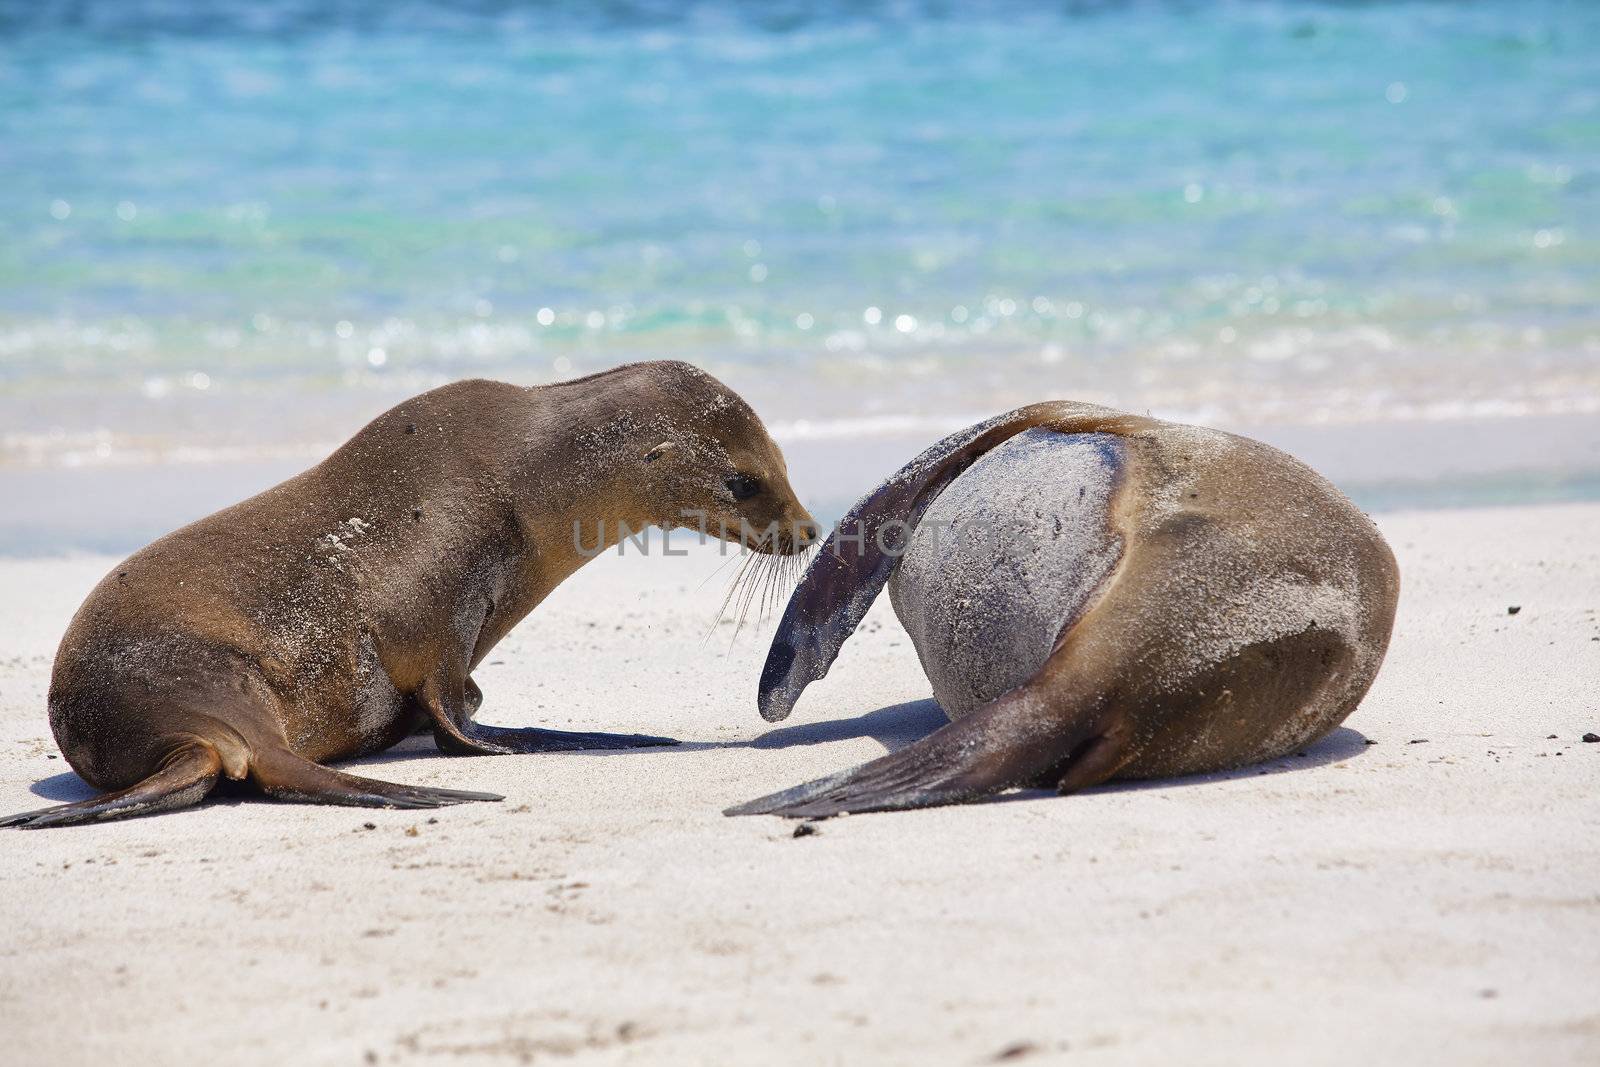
806,534
720,472
788,528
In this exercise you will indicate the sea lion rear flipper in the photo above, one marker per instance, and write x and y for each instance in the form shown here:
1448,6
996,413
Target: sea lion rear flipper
856,561
1015,740
284,776
184,779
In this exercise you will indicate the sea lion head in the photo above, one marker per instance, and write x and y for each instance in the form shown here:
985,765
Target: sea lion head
716,469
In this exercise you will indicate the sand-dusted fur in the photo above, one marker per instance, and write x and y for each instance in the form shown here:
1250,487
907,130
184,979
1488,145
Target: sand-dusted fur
338,612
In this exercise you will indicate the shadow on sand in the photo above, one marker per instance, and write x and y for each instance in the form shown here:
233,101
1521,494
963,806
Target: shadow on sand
893,727
65,787
421,746
68,787
898,725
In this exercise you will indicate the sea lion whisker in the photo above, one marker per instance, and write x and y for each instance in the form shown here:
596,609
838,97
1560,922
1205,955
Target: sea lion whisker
751,586
769,572
718,569
730,594
758,590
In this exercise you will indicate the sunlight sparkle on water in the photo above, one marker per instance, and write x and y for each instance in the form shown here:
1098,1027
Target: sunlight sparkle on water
1415,238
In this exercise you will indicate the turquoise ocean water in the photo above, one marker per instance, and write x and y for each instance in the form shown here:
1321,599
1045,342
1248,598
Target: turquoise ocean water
859,213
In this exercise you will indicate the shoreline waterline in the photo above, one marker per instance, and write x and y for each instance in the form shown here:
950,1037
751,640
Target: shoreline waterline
106,505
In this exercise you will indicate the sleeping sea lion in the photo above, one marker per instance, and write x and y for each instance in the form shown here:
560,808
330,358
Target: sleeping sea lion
340,611
1139,599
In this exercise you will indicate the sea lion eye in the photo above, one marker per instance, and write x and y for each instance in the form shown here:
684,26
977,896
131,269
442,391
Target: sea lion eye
742,486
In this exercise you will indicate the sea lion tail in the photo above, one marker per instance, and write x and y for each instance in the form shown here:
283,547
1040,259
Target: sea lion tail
185,776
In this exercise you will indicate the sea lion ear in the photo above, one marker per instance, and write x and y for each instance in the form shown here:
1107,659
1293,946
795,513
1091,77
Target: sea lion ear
660,450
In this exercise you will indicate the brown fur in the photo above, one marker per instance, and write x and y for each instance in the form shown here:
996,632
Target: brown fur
334,614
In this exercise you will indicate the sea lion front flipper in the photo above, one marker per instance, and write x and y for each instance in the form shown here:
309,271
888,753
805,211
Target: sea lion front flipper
284,776
457,735
1014,740
185,777
840,585
476,739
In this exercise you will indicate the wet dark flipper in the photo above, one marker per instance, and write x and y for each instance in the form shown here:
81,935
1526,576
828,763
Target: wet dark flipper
450,704
284,776
185,777
1005,744
475,739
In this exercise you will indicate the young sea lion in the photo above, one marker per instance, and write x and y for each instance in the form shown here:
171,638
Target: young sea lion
1106,596
337,613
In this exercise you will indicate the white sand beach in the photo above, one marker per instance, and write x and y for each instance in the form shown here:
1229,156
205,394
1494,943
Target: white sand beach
1421,886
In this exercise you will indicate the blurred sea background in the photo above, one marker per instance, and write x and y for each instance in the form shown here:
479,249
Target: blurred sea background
230,232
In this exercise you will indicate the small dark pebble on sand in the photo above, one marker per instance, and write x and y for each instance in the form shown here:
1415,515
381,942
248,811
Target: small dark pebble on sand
1016,1051
1550,737
1591,738
1513,609
1417,741
369,826
805,829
